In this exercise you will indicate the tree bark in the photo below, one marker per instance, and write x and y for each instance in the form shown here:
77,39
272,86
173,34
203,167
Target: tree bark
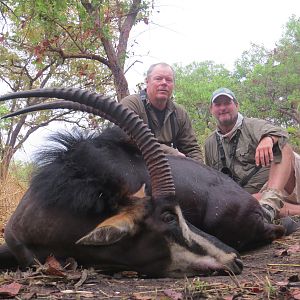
116,57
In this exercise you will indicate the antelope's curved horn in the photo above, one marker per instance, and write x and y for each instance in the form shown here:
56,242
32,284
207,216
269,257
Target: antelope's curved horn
157,164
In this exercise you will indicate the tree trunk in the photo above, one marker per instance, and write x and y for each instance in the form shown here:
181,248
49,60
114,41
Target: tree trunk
116,56
7,155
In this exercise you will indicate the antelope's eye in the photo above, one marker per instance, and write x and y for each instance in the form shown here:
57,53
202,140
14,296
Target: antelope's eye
169,217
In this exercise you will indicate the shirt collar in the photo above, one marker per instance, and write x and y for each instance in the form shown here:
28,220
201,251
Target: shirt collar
170,104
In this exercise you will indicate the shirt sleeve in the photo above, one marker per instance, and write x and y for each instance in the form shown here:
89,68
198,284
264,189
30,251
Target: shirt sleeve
186,139
132,102
261,128
208,151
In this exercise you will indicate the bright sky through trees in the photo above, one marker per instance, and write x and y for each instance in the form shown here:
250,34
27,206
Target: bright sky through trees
199,30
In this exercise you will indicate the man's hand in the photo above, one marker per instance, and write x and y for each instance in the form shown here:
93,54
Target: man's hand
264,153
171,150
178,153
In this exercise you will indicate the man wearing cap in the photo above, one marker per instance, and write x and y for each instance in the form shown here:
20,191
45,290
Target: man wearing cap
255,154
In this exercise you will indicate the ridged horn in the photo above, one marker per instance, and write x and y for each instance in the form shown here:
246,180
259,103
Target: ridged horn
156,161
61,104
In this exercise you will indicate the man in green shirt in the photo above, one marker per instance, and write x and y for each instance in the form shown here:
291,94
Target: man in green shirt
255,154
168,121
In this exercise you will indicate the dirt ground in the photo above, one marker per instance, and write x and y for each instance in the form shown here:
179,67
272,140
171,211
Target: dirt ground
271,272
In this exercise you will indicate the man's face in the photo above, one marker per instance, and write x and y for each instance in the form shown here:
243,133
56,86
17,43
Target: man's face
160,84
225,111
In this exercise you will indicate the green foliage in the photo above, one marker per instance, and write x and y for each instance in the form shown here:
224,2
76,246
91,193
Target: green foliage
294,137
271,88
4,123
22,171
194,86
256,55
62,43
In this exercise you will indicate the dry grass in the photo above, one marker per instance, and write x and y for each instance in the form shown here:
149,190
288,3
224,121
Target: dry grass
11,191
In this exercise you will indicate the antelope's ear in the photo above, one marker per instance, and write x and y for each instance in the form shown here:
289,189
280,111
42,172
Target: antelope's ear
116,227
111,230
102,236
140,193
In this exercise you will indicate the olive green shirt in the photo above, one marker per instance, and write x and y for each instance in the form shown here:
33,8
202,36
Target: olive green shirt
252,131
185,138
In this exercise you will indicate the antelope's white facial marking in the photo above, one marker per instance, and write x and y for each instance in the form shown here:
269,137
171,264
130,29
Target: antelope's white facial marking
213,258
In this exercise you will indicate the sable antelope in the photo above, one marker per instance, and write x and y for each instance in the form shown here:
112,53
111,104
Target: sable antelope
86,202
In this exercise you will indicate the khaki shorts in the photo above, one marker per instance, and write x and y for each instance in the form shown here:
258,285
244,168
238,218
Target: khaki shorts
295,196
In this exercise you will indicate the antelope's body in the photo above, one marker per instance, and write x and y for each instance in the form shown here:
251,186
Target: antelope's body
83,203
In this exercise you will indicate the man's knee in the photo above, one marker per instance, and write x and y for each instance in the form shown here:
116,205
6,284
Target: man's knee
287,153
289,159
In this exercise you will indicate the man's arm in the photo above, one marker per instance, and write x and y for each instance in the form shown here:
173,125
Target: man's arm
208,153
133,102
171,150
186,139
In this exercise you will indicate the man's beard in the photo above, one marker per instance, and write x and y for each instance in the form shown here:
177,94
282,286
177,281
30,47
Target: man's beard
229,121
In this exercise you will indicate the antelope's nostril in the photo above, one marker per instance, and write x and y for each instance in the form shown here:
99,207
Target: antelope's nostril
235,268
239,266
